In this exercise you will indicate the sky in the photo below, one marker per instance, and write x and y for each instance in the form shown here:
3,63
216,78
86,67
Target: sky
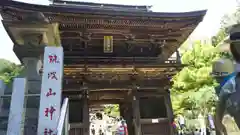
207,28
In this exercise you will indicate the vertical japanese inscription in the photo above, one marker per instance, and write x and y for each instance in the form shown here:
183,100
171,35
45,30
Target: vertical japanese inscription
52,76
49,112
50,91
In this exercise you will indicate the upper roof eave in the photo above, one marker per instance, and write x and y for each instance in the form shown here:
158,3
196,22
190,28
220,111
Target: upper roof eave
56,2
79,10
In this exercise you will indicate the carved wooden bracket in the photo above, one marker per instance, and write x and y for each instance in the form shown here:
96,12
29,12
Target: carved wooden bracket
33,34
86,37
35,17
129,39
33,39
156,42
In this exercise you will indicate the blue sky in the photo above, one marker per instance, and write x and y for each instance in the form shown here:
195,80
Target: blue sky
206,29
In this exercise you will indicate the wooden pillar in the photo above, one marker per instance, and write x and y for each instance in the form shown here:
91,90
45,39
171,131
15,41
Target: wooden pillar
129,118
86,122
122,110
127,113
168,104
178,56
136,113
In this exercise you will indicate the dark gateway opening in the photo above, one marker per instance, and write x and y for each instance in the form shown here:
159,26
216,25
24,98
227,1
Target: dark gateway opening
153,107
75,111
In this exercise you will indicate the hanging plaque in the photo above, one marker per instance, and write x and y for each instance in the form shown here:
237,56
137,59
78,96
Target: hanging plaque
108,44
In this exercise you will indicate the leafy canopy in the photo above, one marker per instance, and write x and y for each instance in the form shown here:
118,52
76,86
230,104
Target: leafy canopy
193,87
9,70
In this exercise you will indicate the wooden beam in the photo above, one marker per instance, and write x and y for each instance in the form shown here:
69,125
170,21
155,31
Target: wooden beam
106,101
99,31
93,23
135,41
144,84
115,60
137,50
165,64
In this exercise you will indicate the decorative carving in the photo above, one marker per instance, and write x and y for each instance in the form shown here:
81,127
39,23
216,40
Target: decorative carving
129,37
32,39
35,17
86,37
129,40
156,42
39,67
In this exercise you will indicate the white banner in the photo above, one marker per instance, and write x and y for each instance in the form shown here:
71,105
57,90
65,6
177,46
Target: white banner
51,91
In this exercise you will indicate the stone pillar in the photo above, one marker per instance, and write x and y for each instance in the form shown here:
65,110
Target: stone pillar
30,69
86,122
51,90
3,109
136,113
32,94
2,90
16,114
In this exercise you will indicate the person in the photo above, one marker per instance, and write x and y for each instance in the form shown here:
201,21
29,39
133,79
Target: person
122,127
211,125
222,71
207,131
174,126
100,131
229,91
93,130
181,122
211,122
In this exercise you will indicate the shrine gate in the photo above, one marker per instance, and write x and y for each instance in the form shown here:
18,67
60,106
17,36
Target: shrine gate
92,54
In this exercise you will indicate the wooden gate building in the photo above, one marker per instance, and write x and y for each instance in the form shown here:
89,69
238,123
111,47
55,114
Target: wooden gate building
112,54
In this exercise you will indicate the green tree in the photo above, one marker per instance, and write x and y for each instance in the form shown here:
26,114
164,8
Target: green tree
9,70
193,87
230,19
112,110
220,37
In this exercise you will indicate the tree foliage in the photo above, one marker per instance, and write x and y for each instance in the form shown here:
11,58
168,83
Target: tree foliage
193,87
230,19
112,110
220,37
9,70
